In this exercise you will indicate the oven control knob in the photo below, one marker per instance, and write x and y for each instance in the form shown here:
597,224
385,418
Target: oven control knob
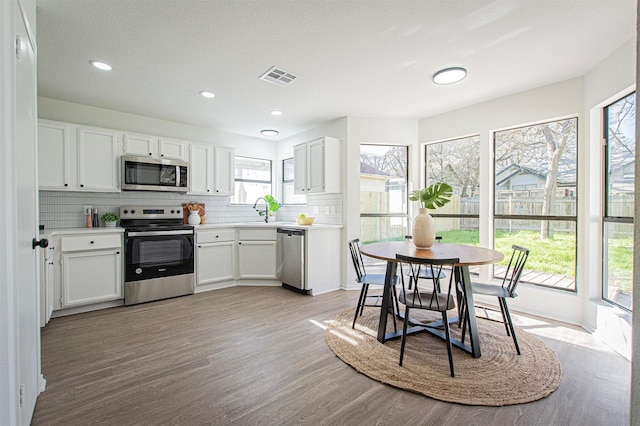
138,271
178,211
173,211
133,212
125,211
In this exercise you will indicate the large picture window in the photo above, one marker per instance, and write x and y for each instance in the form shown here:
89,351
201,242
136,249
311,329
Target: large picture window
617,279
252,179
535,199
456,162
383,192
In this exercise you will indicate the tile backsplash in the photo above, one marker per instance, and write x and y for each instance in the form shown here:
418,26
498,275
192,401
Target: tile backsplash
65,209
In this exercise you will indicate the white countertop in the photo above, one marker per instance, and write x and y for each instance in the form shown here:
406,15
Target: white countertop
261,224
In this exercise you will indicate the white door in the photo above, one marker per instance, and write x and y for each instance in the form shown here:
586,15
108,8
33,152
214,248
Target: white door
27,227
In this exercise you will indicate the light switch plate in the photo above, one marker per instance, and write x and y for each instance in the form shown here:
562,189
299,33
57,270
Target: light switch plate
316,210
326,210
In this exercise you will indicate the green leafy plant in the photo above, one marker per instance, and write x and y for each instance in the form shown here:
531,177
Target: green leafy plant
274,205
109,217
433,196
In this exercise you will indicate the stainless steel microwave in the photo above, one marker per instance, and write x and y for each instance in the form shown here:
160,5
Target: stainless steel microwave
151,174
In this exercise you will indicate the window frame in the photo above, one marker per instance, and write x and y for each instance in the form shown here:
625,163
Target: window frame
606,217
541,218
270,181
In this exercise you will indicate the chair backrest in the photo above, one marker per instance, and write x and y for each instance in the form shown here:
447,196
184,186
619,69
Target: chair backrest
356,257
513,273
435,266
410,237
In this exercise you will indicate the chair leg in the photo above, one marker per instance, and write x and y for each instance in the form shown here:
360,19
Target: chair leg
465,320
361,300
513,330
445,321
501,302
404,334
364,298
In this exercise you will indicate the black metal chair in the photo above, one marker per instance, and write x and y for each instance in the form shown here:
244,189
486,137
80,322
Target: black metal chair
366,280
432,300
426,272
505,291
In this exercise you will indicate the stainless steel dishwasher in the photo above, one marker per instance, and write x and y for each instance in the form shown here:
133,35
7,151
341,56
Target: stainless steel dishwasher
291,256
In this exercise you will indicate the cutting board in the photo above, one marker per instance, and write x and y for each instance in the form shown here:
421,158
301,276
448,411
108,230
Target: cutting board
188,207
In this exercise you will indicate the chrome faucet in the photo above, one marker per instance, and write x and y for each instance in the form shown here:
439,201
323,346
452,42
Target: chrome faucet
266,206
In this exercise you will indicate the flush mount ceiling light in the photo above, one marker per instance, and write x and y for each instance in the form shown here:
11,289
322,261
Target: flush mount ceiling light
101,65
207,94
276,112
449,75
269,132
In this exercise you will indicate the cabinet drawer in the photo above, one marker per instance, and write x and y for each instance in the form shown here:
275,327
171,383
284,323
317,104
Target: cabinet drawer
254,234
90,242
215,235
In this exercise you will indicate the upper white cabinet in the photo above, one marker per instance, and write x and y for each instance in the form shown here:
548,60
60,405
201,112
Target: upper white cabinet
211,170
152,146
54,155
316,166
97,159
77,158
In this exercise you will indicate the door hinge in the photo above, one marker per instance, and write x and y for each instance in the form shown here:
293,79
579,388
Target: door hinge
22,394
18,47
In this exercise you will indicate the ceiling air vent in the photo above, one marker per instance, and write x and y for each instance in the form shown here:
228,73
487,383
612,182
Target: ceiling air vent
278,76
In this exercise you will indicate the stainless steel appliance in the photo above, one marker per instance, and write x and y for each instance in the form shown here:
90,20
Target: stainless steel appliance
159,254
291,259
150,174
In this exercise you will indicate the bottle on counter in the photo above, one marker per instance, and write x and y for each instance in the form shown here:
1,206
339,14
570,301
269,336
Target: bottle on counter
95,221
89,221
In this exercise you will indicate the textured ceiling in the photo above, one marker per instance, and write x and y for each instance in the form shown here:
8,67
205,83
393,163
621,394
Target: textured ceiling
359,58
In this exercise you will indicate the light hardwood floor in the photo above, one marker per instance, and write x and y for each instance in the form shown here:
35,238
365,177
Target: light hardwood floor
257,356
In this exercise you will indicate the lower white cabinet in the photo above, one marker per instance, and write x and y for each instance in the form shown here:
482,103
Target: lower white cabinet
91,277
91,269
257,254
215,256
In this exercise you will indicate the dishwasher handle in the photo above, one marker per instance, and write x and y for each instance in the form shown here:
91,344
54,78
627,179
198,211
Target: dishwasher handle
290,231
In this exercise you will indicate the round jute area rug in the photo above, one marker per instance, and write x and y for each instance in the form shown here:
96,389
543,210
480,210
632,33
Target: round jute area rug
499,377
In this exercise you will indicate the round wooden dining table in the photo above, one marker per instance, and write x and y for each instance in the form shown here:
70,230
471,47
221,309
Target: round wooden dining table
467,255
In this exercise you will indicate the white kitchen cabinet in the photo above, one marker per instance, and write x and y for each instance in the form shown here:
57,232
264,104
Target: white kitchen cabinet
316,166
97,159
211,170
54,155
153,146
257,253
91,269
47,283
215,256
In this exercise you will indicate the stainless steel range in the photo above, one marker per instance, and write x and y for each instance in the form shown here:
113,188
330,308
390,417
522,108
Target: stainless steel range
159,253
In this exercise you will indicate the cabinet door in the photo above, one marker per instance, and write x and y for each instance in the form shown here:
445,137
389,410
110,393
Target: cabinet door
97,160
257,259
200,169
136,144
216,262
172,148
54,155
91,277
315,166
300,169
223,171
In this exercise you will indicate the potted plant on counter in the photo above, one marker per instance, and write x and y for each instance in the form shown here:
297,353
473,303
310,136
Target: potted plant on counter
109,219
431,197
274,205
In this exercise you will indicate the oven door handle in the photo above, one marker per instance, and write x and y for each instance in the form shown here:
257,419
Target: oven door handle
158,233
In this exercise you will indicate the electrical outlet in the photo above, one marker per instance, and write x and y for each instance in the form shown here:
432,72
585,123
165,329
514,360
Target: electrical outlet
327,210
316,210
87,209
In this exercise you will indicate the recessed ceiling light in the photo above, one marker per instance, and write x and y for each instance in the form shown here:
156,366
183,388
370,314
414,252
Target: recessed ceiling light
207,94
101,65
269,132
449,75
276,112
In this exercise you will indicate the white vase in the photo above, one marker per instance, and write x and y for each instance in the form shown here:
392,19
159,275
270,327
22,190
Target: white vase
194,218
110,224
424,233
